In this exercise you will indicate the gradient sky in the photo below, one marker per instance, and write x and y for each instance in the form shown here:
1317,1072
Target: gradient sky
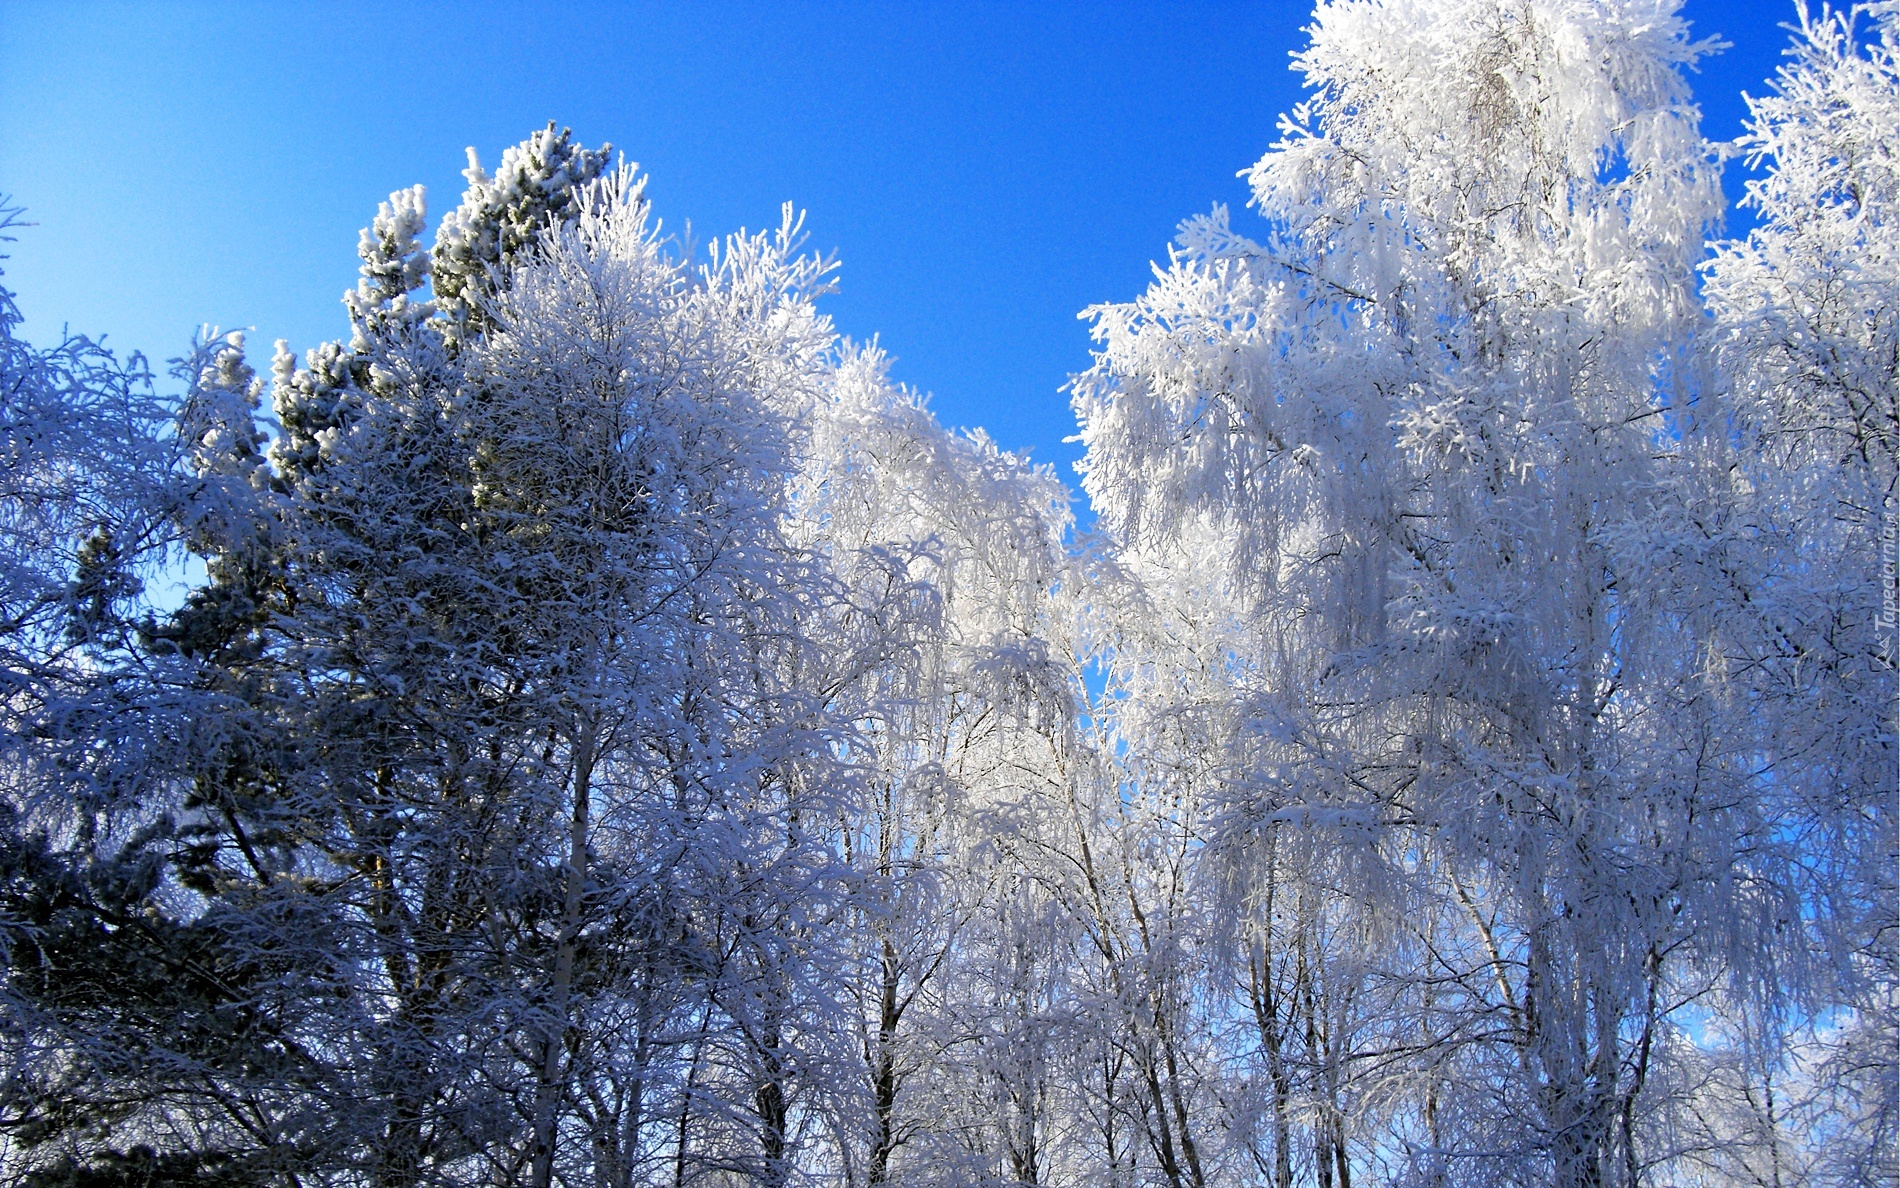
982,172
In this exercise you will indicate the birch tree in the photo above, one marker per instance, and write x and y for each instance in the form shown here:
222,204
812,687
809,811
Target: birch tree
1806,334
948,653
1428,433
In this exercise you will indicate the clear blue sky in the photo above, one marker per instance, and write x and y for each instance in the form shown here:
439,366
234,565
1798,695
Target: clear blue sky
983,172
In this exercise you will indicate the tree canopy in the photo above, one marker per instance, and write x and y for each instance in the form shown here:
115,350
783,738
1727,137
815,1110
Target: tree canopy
589,724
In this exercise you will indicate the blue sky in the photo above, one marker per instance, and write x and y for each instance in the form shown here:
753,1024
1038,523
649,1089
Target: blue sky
982,171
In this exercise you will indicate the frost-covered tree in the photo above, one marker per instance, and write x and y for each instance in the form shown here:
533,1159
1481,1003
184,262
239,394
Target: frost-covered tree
948,652
1807,337
499,789
106,1008
548,554
583,625
637,428
1403,480
618,736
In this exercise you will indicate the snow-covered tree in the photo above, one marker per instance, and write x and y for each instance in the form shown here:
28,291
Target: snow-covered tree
1807,337
106,1009
499,789
1404,480
948,652
607,731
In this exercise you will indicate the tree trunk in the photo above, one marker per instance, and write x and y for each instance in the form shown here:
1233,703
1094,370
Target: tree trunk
554,1038
884,1068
